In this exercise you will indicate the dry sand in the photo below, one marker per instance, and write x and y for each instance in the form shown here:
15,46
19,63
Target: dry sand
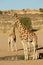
35,62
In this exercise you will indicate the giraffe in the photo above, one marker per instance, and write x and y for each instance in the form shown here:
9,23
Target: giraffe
12,41
27,37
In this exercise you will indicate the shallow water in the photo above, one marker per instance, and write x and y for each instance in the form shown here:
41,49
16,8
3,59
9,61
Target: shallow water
21,57
12,58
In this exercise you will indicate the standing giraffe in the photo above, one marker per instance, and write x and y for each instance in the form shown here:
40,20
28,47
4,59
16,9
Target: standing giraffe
27,37
12,41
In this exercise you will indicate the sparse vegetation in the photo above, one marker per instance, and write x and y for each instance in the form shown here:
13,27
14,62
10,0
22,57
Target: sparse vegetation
41,15
1,12
26,21
41,9
5,12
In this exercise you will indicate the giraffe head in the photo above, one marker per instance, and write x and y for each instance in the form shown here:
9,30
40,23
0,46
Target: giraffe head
16,18
15,15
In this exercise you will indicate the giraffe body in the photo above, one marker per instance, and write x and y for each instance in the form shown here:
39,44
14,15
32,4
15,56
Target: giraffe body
27,38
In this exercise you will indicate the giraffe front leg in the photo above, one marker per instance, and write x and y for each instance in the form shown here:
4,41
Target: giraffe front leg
12,45
33,44
34,50
9,44
29,46
15,47
25,50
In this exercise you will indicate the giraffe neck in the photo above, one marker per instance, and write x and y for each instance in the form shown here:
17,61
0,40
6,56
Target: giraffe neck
18,22
21,27
23,31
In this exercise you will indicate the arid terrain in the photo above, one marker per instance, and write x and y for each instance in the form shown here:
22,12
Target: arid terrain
6,20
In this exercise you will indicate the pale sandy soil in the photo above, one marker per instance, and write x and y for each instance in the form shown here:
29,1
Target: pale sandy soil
40,39
4,49
35,62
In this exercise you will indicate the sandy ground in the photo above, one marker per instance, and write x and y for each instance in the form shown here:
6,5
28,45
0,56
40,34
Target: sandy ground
35,62
4,49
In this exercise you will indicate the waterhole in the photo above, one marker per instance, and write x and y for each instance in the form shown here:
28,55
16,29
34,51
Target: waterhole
20,57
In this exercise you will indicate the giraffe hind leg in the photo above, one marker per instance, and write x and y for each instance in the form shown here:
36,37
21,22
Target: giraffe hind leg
12,45
9,44
35,53
25,50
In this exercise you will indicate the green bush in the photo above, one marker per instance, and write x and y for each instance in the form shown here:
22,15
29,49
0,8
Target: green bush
41,15
5,12
26,21
41,9
0,12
